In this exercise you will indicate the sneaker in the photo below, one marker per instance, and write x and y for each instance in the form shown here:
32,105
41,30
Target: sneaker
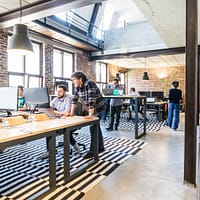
44,155
109,129
101,150
89,154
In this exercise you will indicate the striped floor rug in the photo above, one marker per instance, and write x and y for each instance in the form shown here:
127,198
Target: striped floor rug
152,124
24,176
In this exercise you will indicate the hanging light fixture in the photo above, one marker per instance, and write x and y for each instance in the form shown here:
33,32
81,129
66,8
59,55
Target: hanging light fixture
145,74
117,76
19,41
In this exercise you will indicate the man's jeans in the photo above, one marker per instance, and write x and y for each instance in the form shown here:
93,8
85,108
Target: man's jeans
92,130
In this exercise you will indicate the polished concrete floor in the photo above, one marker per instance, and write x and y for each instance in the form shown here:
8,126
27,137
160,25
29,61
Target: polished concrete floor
155,173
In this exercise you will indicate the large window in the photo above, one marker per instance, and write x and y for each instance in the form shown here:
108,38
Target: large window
63,66
26,70
101,75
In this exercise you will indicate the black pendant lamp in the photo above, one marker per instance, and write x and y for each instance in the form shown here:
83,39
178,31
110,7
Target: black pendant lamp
117,76
145,74
19,41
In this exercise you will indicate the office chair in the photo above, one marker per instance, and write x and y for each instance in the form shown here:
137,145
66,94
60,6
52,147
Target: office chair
78,111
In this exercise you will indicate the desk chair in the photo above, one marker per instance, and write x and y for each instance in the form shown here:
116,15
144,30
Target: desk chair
78,111
76,146
131,108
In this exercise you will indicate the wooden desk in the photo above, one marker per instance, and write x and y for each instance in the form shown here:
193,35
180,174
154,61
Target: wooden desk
135,105
159,105
10,136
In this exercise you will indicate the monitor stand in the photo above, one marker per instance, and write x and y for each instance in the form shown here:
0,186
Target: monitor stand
6,113
9,114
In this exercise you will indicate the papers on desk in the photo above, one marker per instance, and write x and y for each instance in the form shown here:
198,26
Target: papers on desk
21,128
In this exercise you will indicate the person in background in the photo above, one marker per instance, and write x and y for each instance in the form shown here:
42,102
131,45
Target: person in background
116,106
62,106
21,104
175,96
91,99
133,93
106,105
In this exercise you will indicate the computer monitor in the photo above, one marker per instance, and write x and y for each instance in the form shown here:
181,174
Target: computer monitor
158,94
39,97
8,100
145,93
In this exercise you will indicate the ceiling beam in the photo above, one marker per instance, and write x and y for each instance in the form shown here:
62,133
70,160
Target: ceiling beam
158,52
93,18
41,9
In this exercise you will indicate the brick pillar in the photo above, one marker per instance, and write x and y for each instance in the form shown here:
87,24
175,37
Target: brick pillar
82,64
48,70
3,58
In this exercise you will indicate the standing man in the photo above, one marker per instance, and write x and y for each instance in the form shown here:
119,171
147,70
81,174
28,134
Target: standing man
175,95
116,106
88,94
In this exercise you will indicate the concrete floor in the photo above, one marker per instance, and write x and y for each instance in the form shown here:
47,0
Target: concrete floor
155,173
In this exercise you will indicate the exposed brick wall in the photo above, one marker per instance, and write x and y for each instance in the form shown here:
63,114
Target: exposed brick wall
3,58
113,69
83,64
160,79
48,67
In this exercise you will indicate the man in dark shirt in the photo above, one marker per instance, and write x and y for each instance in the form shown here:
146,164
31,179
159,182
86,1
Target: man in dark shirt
89,95
175,95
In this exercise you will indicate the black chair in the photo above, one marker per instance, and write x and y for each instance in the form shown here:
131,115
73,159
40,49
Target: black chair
78,112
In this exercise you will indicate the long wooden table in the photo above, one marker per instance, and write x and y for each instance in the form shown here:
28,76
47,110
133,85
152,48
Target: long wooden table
135,105
10,136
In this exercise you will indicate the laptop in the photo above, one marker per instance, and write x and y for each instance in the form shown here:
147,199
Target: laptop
118,92
151,99
108,91
48,111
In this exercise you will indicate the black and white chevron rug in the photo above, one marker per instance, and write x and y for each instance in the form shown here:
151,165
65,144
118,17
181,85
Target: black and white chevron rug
23,176
152,124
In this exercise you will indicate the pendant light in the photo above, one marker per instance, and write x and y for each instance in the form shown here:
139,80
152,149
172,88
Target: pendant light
19,42
145,74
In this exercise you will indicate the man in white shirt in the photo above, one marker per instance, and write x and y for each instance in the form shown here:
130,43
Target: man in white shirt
62,106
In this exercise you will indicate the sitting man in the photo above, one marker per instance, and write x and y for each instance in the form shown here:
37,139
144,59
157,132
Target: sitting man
62,106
